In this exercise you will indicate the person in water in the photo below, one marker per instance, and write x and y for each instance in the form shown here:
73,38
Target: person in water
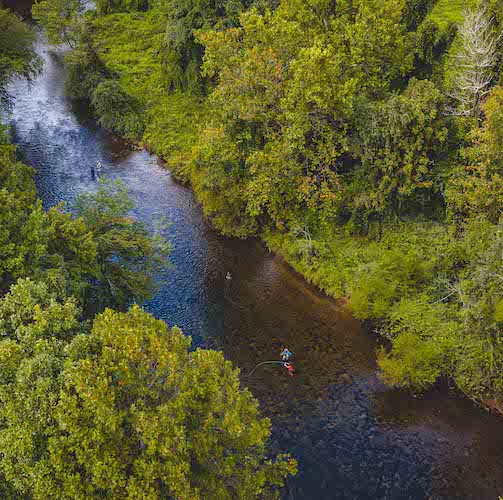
285,354
289,367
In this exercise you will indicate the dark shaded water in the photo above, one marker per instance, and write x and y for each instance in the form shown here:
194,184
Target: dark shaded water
353,437
22,7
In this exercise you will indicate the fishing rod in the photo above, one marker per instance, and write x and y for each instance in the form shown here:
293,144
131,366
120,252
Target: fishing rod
265,363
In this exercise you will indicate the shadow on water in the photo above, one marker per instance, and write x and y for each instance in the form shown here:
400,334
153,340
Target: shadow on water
354,438
22,7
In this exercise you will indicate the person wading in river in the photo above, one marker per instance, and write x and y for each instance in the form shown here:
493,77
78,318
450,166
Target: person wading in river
289,367
285,354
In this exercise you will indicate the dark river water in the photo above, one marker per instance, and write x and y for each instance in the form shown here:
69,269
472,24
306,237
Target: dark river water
354,438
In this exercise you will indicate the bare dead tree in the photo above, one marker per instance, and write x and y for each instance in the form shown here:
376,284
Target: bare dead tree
306,246
475,62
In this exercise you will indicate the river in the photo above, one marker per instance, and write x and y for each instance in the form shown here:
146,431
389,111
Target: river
354,438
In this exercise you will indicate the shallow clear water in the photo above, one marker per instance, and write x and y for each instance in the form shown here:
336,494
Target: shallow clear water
354,438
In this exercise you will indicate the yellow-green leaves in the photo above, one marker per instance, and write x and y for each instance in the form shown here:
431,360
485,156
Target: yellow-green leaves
132,412
498,311
286,85
476,190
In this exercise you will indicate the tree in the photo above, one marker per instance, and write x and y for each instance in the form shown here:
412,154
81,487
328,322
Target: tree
431,44
133,413
36,322
60,19
71,249
106,257
36,310
127,253
399,142
415,12
458,333
475,62
85,68
17,197
478,371
34,242
17,52
476,188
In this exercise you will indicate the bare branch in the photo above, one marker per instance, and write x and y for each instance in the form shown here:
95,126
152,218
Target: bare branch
474,62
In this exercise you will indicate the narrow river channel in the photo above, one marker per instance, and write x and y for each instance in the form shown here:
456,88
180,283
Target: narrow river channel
354,438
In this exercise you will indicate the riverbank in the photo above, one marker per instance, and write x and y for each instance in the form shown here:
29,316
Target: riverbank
347,269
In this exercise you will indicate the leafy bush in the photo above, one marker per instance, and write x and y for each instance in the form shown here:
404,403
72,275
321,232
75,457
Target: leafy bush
425,338
116,110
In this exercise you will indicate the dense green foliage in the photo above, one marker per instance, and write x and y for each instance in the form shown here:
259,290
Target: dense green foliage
96,403
124,411
330,129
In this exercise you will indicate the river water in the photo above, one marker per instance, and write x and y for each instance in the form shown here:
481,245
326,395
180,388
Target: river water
353,437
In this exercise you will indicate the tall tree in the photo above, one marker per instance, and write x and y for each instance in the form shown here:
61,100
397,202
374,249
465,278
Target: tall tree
106,256
399,143
132,413
476,188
